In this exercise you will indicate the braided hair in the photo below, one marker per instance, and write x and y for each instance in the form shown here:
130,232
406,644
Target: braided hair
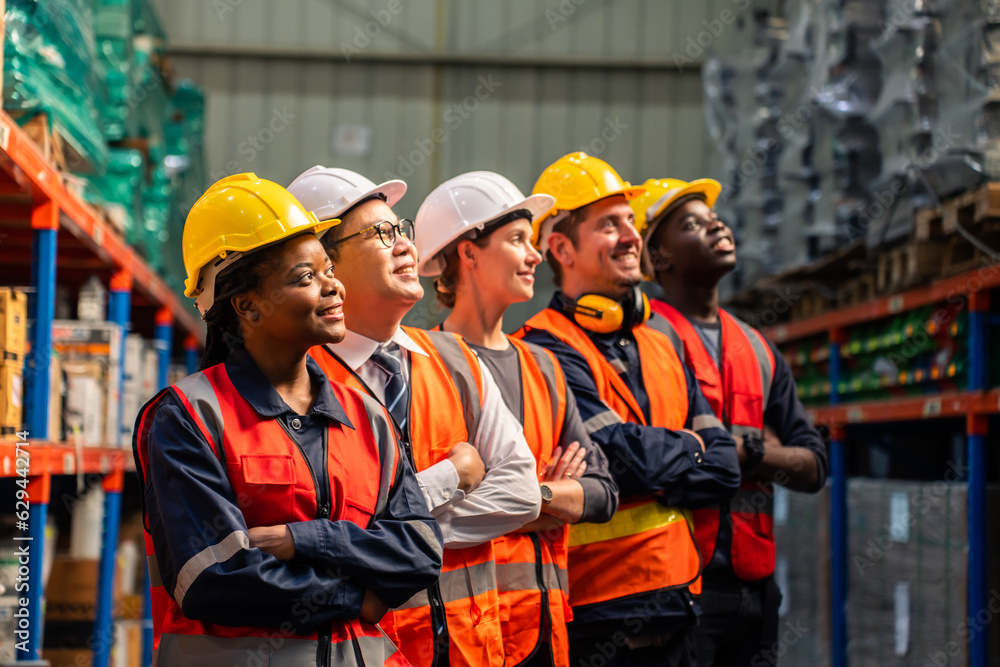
224,332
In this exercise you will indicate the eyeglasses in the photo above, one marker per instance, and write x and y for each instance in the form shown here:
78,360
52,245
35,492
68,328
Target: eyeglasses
386,232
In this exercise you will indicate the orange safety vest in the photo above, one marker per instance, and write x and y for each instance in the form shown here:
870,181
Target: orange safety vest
273,484
738,397
532,567
646,547
445,406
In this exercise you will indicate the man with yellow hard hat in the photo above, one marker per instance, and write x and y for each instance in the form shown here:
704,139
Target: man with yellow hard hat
688,250
632,579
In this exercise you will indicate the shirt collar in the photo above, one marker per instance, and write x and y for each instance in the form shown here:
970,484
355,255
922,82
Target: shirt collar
356,349
250,382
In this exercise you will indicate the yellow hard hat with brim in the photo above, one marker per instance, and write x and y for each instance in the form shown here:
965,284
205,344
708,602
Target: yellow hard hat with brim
237,215
576,180
661,195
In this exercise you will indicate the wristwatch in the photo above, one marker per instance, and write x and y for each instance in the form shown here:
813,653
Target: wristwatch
754,448
546,494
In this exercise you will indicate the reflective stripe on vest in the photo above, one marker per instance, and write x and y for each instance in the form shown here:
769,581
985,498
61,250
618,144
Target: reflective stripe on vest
445,408
626,522
739,393
663,555
532,568
261,457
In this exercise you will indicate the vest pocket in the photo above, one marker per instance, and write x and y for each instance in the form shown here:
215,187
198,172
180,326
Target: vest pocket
267,496
359,512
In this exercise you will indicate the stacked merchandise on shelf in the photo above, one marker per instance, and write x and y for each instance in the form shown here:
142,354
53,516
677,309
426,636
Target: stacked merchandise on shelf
839,121
907,569
139,385
90,356
13,345
140,136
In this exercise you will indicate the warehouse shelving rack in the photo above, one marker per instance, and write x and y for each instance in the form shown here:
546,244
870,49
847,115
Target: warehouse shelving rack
64,233
976,403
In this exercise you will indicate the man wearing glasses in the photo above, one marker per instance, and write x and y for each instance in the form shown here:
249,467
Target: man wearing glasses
473,464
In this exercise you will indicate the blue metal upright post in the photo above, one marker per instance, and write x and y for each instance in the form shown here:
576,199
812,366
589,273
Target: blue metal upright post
838,515
119,312
41,312
164,335
977,429
104,631
39,491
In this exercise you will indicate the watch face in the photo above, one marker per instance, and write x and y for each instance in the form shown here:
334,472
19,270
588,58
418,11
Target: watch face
546,494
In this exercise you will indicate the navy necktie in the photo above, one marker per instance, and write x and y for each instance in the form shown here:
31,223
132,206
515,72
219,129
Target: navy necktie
387,358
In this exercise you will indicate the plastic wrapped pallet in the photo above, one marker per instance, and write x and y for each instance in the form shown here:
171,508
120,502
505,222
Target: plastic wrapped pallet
802,570
51,66
907,550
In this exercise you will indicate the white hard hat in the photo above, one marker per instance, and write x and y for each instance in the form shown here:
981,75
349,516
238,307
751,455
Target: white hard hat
329,191
463,203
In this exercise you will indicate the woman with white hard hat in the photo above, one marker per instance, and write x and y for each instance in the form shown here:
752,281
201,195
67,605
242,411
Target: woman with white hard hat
281,518
475,236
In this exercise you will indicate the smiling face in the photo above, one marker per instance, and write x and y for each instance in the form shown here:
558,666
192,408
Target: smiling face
692,242
299,301
373,273
605,256
504,268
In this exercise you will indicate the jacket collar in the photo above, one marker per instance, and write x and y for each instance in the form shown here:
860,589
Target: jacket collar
250,382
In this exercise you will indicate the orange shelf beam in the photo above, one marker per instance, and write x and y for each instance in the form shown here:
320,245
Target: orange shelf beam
983,278
58,459
932,406
29,168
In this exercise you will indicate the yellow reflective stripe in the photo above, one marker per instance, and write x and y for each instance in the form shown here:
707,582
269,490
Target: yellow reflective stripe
631,521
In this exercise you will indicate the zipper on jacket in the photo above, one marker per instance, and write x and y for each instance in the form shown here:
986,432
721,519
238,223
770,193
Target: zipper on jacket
322,487
545,616
325,649
439,625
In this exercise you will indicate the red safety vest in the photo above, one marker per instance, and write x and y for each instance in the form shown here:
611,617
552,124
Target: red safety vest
738,397
532,567
445,406
646,547
273,484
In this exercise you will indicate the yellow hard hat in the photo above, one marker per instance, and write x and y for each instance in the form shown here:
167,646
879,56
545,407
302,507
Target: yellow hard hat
238,214
661,193
576,180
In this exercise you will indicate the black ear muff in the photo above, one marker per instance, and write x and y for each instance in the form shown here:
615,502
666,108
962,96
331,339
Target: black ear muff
602,314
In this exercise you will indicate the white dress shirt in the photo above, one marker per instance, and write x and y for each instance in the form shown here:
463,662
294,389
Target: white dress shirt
508,496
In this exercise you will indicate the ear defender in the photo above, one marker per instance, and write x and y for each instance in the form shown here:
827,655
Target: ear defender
602,314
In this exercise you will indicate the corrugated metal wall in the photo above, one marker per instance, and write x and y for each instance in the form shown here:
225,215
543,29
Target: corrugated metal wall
427,89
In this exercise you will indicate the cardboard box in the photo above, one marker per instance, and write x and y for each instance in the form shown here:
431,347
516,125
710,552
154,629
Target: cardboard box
68,657
71,594
76,338
11,398
13,322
